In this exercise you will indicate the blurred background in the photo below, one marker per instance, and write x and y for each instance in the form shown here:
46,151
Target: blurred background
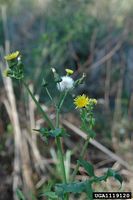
94,37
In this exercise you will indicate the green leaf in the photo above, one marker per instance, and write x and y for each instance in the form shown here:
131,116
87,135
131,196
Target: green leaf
89,191
20,195
116,175
55,132
44,133
76,187
119,178
51,195
109,173
91,133
58,132
87,166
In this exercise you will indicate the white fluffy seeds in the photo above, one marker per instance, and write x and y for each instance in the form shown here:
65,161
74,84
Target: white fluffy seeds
66,83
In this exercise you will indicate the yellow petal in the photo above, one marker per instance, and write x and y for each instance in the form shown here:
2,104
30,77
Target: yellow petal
81,101
69,71
12,56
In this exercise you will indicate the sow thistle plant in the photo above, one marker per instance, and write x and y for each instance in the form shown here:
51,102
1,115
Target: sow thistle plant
85,106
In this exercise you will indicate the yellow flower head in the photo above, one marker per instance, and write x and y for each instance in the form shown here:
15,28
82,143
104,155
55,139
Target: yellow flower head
81,101
12,56
69,71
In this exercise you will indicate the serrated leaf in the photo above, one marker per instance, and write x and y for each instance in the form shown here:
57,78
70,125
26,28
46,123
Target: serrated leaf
20,195
87,166
76,187
116,175
109,173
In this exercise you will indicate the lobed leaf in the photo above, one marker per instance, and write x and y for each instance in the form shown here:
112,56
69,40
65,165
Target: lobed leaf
76,187
116,175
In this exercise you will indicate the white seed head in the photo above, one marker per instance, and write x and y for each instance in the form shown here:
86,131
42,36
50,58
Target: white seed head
66,83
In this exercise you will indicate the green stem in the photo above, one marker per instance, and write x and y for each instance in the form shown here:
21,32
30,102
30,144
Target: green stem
62,100
60,154
49,94
59,146
58,140
81,156
45,116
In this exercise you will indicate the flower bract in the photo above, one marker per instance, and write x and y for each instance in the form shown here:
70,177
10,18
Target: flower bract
93,101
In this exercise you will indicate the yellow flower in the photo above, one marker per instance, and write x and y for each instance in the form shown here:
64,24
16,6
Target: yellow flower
93,101
12,56
69,71
81,101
